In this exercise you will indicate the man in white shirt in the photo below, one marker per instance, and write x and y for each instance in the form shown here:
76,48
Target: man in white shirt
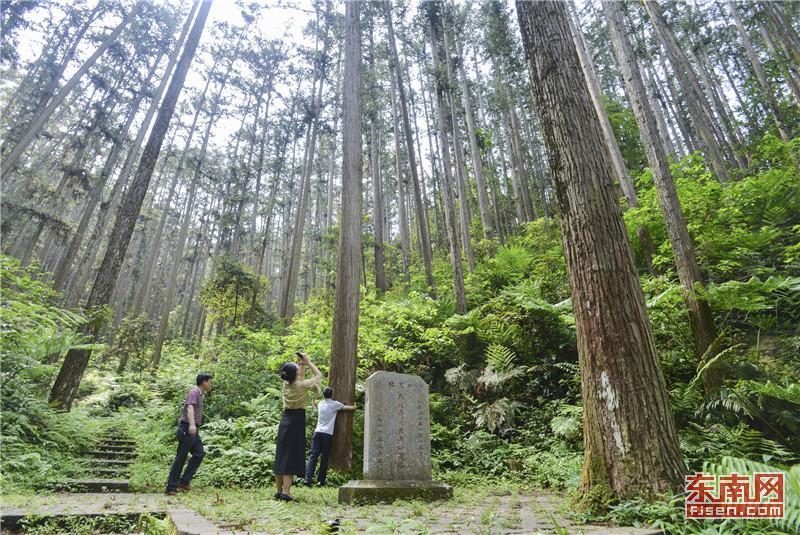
323,436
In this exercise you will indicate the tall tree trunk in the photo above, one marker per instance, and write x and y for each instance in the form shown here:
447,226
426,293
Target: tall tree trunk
518,157
375,170
587,66
422,216
630,439
177,254
405,242
766,89
377,207
152,256
787,35
33,130
667,132
52,73
682,246
620,169
344,335
64,265
692,92
267,88
288,290
674,105
789,68
477,164
458,152
434,12
516,186
66,384
75,289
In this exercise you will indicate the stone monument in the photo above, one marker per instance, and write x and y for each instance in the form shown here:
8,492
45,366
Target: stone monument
397,443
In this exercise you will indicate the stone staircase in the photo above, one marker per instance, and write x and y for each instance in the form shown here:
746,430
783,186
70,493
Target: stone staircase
109,466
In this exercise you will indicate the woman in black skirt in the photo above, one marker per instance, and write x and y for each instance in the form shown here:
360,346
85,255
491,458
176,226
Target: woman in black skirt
290,450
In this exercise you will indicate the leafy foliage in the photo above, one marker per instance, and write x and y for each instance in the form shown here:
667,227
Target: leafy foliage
232,293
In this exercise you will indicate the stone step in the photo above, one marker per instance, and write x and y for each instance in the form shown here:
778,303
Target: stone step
99,485
115,447
112,462
113,454
112,472
118,441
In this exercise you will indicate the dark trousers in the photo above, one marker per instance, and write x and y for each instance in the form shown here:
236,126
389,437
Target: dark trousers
320,447
186,444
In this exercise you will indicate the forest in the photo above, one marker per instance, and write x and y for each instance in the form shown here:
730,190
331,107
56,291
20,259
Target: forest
577,221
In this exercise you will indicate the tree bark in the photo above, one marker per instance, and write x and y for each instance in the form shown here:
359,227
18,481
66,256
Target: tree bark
344,335
66,384
422,216
487,224
692,92
630,439
682,246
10,162
289,289
405,242
766,89
434,12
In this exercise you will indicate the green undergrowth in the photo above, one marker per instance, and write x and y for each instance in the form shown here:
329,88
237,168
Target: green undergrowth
505,384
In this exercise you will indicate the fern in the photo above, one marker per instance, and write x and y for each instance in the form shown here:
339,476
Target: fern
718,441
500,368
789,393
497,416
569,422
791,520
462,377
709,362
499,358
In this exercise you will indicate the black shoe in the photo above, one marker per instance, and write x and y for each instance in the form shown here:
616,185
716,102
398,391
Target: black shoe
321,484
277,495
285,497
307,483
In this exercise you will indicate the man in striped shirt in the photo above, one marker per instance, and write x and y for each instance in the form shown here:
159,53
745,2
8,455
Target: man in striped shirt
188,438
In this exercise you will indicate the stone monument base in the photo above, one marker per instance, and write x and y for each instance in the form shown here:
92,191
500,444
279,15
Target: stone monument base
375,491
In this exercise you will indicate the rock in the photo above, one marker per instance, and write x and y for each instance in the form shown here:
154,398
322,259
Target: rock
397,443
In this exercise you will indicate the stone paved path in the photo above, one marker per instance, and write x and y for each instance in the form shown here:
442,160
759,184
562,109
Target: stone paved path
185,521
507,515
528,514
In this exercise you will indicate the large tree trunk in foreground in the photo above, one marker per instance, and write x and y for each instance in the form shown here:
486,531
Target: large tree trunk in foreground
682,246
620,170
630,439
344,336
66,385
